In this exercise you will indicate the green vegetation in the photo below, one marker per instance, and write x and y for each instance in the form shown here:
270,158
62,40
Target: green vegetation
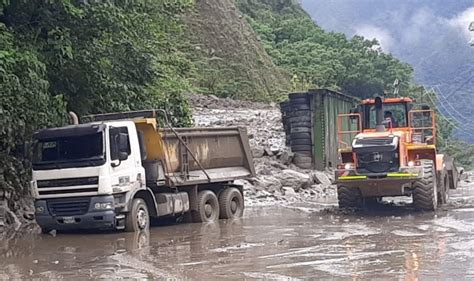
320,59
87,57
323,59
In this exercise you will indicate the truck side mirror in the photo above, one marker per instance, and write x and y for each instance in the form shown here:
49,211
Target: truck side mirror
122,156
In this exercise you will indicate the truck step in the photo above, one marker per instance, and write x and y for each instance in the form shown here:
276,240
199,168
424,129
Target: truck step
120,217
120,227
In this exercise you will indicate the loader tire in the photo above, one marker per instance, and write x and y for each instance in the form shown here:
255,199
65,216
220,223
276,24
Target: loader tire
349,197
425,195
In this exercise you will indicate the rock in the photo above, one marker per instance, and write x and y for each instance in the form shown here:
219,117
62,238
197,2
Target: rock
269,183
268,152
288,191
286,157
294,179
258,152
321,177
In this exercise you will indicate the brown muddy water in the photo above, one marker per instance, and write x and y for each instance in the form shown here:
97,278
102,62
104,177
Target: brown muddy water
383,242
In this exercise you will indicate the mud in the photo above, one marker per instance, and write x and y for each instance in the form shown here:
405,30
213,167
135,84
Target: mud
384,241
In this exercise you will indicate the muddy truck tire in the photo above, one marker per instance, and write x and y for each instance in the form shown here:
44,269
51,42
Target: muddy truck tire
138,218
425,197
231,203
208,207
349,198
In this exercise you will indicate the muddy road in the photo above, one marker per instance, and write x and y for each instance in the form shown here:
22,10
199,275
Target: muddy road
270,242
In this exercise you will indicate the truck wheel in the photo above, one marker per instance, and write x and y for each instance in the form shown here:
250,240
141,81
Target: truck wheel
208,207
425,195
138,218
231,203
349,198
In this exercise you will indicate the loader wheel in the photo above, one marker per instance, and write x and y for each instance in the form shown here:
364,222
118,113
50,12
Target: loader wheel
231,203
208,207
138,218
349,198
425,195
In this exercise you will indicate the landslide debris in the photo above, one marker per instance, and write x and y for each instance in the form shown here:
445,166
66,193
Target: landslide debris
278,179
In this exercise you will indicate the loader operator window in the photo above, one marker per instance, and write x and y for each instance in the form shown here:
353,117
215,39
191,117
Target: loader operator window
396,112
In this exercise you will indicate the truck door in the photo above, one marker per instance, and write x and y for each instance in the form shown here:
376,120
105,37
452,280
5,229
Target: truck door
124,170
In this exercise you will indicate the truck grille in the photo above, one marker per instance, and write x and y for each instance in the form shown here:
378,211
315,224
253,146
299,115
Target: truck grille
68,182
68,186
68,207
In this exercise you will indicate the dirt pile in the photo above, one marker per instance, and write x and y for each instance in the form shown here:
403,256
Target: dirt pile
277,178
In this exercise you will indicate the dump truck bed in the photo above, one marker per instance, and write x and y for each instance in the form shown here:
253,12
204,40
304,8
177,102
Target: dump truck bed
206,155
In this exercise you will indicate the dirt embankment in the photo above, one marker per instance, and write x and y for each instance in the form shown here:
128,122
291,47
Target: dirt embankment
278,180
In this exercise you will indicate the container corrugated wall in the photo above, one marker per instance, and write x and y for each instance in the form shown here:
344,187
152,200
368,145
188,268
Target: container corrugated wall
326,106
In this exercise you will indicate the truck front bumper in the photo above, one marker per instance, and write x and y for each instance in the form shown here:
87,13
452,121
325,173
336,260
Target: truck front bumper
57,214
379,185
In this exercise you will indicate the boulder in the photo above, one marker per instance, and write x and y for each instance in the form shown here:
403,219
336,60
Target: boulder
321,178
294,179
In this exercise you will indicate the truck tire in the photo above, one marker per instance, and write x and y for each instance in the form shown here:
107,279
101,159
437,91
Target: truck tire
138,218
45,230
231,203
295,136
349,198
301,142
297,119
301,124
208,207
300,113
300,130
297,148
425,195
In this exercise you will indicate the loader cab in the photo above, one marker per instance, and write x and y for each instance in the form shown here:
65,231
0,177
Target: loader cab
395,113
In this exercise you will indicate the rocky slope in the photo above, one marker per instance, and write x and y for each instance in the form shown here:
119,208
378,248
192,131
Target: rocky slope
278,180
230,60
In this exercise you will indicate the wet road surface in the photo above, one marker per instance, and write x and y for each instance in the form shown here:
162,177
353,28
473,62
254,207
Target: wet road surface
268,243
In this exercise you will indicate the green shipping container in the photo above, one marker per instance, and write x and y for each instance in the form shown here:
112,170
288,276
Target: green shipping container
324,106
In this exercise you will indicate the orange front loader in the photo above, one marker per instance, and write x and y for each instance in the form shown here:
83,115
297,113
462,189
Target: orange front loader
388,148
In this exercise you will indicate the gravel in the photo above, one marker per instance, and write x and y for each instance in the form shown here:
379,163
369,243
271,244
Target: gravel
278,179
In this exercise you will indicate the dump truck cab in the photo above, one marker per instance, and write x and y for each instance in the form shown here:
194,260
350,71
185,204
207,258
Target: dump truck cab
388,148
119,170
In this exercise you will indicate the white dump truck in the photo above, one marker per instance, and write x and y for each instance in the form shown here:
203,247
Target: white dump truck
120,169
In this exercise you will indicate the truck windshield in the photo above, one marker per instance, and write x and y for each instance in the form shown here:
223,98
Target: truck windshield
397,112
70,151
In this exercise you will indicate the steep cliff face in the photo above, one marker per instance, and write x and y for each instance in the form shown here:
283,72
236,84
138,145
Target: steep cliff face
229,57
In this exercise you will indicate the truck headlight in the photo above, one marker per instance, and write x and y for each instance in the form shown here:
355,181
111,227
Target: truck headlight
103,205
39,210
